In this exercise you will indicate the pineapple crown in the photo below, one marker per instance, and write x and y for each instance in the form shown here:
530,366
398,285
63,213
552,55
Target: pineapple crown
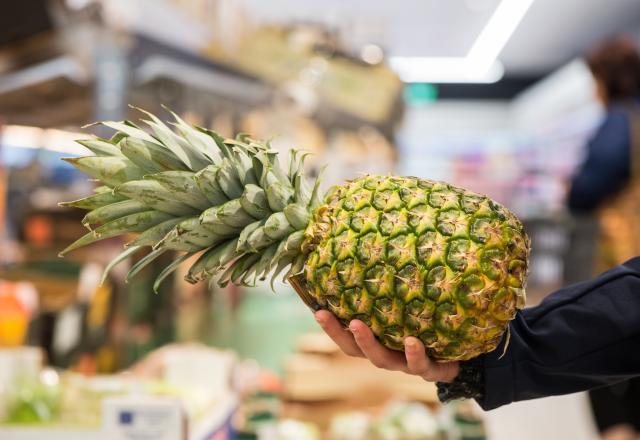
190,190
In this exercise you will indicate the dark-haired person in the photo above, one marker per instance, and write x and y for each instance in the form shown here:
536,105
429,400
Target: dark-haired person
607,186
607,168
584,336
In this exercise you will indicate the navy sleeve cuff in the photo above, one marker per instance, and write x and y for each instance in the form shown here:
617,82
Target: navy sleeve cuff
498,377
580,337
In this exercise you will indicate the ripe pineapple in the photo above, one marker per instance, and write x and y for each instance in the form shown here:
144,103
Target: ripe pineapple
408,256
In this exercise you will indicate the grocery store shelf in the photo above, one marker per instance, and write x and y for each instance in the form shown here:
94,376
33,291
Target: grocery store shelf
205,79
19,433
60,67
118,422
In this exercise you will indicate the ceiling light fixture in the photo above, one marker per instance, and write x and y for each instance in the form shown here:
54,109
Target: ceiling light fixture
372,54
481,64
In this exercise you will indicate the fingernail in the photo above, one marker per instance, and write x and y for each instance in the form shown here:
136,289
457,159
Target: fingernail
319,319
410,343
353,328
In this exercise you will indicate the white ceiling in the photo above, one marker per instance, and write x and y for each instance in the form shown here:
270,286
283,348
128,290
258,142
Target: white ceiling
402,27
552,32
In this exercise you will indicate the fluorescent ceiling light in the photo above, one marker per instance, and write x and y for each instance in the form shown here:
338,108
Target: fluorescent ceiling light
443,70
481,64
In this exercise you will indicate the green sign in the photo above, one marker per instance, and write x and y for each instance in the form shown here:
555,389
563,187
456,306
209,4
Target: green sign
420,93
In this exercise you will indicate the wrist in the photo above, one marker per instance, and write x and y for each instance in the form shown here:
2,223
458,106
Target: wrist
467,383
450,371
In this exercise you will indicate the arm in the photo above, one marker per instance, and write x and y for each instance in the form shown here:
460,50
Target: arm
606,167
581,337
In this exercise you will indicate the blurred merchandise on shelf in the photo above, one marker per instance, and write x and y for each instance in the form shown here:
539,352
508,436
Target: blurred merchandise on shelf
17,303
466,421
40,401
506,150
256,410
287,429
399,420
30,401
308,57
519,152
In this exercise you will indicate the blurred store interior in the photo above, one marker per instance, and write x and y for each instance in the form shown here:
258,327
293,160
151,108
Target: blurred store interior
490,95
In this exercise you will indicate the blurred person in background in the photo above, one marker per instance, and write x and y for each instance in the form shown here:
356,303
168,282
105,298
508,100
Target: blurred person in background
607,187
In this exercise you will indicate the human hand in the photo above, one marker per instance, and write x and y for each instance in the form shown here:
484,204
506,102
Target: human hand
359,341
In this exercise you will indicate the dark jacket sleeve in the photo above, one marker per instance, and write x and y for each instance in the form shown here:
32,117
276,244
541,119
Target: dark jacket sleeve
605,169
580,337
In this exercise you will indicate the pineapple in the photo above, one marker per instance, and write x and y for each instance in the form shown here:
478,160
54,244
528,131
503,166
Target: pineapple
408,256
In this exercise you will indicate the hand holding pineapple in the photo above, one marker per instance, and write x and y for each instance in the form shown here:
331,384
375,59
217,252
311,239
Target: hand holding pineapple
359,341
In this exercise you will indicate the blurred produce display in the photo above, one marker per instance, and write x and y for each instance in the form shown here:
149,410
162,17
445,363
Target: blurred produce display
61,403
32,402
397,421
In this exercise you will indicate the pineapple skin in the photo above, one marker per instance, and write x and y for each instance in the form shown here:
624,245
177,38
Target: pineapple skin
414,257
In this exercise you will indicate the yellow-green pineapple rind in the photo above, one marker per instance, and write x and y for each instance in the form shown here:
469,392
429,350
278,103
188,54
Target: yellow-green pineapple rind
413,257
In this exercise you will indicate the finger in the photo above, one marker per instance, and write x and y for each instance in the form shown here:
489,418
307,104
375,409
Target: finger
341,336
418,363
417,360
379,356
